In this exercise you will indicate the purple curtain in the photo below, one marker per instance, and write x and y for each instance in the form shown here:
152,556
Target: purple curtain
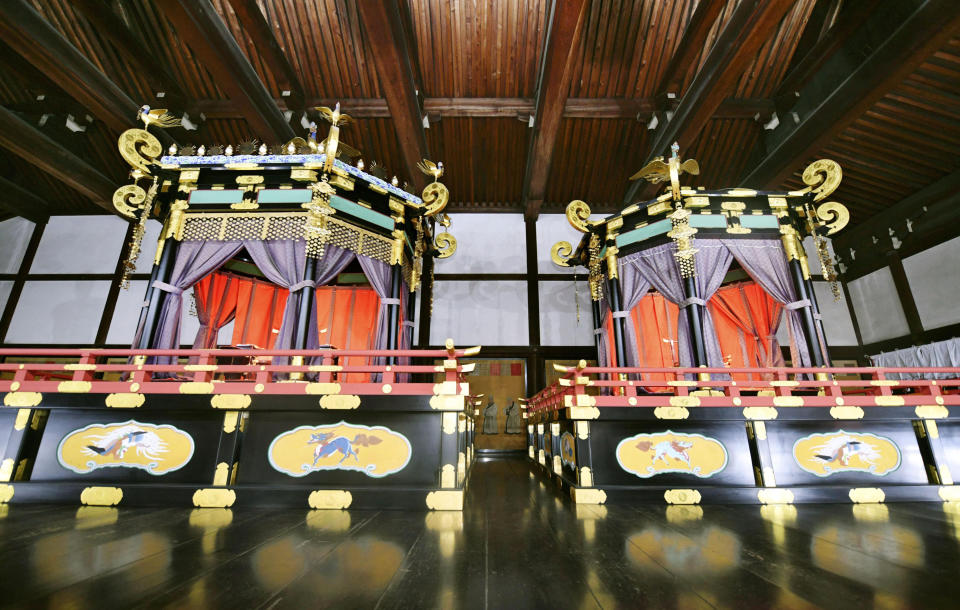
633,287
193,262
380,275
284,262
765,261
659,266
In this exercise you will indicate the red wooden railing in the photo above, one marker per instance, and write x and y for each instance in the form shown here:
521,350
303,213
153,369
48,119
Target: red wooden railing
705,387
205,371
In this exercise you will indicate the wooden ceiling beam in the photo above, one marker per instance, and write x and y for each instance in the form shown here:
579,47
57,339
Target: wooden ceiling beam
753,22
640,109
256,26
383,25
22,202
840,94
847,21
38,42
108,24
38,149
691,45
198,25
566,22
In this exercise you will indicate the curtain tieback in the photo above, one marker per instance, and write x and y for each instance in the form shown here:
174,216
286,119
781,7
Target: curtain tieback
302,285
389,301
168,288
409,323
798,304
620,314
691,301
598,331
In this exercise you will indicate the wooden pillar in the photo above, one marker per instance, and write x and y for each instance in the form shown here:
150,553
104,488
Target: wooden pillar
305,305
150,315
616,303
806,314
818,322
597,316
905,295
393,310
698,348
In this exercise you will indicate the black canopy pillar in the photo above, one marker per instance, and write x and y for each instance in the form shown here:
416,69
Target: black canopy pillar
393,310
698,348
306,298
800,275
153,299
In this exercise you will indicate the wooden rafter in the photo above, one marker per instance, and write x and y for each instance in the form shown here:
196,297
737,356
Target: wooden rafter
384,28
750,26
21,202
844,23
32,37
27,142
925,30
500,107
199,25
107,23
256,26
691,44
560,44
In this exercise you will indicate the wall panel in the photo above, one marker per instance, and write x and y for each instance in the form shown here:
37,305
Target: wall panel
877,306
934,277
486,243
58,312
14,236
558,314
484,312
80,244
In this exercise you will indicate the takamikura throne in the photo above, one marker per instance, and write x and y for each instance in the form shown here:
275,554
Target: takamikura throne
316,262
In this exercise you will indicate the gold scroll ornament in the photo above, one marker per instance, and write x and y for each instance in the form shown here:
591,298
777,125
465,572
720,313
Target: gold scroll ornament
140,149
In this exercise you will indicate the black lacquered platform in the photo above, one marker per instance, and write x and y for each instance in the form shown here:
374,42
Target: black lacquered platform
517,544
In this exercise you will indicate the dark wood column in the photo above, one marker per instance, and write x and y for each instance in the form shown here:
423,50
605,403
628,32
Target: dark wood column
698,348
806,314
905,295
616,303
393,309
305,305
150,315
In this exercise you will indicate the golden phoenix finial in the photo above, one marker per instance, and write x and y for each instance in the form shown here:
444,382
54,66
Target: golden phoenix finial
336,119
658,170
159,117
430,168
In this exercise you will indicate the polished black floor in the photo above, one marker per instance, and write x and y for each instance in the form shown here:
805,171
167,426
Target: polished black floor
519,544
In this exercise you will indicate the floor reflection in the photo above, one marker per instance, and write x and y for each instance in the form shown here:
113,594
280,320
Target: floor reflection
519,543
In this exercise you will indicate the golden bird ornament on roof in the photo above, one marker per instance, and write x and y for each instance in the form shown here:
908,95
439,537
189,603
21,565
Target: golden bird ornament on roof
159,117
658,170
431,169
336,120
334,117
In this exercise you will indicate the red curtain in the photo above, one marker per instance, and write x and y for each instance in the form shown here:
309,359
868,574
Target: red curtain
347,319
746,319
655,323
216,299
259,313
